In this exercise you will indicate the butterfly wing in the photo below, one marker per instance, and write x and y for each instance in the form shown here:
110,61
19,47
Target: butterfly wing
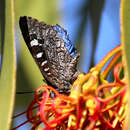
53,52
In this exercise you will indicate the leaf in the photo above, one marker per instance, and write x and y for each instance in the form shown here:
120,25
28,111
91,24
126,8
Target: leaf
2,21
125,40
8,69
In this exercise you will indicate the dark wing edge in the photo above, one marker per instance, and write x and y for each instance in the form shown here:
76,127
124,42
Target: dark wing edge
23,22
24,28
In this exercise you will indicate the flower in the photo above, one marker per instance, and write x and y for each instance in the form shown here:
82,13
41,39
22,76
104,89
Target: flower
93,103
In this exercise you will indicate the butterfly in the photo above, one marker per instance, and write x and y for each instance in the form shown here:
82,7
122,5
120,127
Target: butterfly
53,52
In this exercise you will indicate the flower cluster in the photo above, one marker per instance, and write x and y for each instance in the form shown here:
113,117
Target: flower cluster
94,103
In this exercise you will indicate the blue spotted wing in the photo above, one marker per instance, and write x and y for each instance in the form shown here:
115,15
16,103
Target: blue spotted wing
53,52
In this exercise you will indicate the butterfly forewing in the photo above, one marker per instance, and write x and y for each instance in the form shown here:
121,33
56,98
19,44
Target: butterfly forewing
53,52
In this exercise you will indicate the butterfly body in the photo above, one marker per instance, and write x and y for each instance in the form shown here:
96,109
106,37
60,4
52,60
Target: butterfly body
53,52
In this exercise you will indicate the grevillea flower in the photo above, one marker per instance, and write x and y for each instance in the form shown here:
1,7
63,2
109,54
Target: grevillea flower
93,103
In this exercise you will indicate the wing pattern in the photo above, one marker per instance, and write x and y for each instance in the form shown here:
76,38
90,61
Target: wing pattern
53,52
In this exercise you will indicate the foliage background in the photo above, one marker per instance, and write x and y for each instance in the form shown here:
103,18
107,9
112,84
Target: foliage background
93,25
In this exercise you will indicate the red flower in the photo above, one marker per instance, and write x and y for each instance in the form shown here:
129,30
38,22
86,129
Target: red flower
94,103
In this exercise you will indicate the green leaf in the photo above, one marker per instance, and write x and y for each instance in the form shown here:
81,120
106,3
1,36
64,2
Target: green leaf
8,69
2,21
125,40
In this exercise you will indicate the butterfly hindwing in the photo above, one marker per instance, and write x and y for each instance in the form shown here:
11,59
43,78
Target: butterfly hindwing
53,52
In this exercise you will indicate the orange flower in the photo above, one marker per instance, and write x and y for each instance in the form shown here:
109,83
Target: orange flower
93,103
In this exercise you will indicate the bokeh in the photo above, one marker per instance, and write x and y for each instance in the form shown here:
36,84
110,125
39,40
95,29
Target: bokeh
93,26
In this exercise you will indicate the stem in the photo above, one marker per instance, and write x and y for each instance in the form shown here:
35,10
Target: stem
107,57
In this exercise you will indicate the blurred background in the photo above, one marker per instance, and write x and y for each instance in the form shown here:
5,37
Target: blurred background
94,29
